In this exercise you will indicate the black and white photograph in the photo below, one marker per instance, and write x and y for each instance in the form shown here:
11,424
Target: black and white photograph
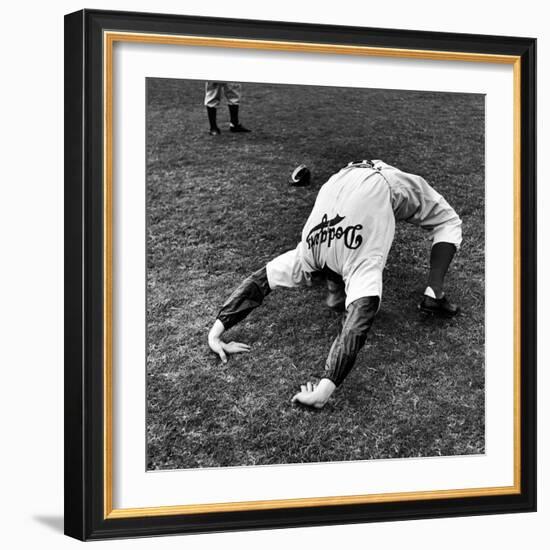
315,273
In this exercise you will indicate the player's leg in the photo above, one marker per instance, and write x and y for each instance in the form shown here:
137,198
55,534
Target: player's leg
446,241
212,96
425,207
435,300
233,95
441,256
336,291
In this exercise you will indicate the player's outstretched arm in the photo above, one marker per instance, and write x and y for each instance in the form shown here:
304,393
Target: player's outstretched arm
221,348
357,322
246,297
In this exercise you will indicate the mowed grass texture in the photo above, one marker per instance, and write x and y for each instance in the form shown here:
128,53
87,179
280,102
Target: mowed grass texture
218,208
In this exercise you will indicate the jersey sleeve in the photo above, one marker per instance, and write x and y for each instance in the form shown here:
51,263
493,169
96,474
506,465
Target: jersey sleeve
287,271
343,353
247,296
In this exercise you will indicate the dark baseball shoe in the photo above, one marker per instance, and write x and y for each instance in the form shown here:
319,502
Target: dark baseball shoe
214,131
438,306
238,128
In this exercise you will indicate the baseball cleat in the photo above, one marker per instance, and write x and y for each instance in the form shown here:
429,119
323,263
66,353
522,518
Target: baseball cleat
214,131
438,306
238,128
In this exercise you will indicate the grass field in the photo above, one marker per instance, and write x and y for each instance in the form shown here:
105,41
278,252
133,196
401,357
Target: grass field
219,208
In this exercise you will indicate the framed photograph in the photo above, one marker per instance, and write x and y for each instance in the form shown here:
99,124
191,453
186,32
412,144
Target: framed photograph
300,274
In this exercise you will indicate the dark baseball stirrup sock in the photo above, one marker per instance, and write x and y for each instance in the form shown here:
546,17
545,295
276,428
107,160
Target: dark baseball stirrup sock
440,259
234,114
212,112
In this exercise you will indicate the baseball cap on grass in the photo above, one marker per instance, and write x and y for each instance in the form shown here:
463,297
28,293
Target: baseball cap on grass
301,176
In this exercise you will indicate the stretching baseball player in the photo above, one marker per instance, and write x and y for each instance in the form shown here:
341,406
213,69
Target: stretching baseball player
212,97
346,240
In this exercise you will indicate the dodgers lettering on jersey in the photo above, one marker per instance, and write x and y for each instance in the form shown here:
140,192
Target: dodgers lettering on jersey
350,230
325,232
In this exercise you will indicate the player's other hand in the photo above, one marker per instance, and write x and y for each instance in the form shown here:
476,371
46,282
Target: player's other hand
223,349
315,395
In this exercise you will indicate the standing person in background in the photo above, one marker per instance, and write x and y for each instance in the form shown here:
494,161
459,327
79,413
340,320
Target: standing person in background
212,98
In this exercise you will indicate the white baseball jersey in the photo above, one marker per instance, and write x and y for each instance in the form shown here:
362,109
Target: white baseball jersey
351,227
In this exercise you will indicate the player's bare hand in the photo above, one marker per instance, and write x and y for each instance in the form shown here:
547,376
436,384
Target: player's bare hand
315,395
308,396
223,349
